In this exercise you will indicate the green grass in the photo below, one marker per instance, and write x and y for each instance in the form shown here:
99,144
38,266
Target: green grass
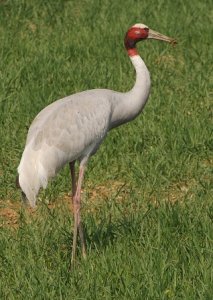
152,238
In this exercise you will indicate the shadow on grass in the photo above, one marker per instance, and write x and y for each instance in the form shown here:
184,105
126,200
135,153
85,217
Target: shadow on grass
108,232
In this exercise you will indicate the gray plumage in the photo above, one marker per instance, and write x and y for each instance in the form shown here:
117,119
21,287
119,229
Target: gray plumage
72,129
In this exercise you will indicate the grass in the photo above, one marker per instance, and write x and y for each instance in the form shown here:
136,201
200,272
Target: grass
148,191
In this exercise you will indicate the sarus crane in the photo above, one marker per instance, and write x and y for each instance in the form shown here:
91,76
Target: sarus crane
72,129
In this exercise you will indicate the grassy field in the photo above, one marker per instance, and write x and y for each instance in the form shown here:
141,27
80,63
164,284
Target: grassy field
147,197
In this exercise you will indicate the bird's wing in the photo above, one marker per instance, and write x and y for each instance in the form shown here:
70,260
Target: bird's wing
69,129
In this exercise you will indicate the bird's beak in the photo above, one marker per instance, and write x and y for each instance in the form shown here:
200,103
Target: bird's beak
158,36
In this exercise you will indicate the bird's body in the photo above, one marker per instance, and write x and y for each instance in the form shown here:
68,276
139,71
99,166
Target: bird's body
50,144
72,128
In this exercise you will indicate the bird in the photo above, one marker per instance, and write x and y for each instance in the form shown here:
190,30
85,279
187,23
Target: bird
71,130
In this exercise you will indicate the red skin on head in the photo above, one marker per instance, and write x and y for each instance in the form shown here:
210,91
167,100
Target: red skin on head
134,35
132,52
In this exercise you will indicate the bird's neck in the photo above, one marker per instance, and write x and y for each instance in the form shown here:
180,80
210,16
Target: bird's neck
128,105
140,91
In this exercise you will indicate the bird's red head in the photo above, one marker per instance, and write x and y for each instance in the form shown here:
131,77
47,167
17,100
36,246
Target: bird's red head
140,32
135,34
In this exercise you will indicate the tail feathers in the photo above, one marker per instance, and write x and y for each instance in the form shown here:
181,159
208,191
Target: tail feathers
31,176
30,187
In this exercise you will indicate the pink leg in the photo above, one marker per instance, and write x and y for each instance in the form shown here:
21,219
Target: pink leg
77,217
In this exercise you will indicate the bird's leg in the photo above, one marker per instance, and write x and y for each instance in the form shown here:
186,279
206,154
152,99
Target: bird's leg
77,217
72,172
